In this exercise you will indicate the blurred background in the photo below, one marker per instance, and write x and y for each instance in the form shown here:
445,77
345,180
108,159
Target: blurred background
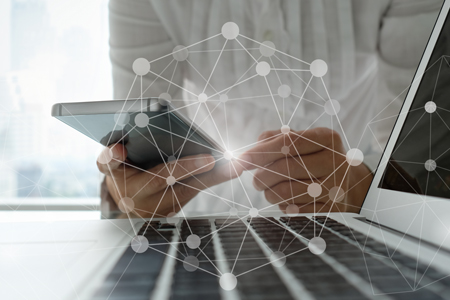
51,51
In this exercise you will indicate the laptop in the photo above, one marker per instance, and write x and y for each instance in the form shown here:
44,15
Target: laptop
397,247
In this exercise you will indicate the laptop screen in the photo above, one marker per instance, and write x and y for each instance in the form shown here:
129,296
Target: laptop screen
420,161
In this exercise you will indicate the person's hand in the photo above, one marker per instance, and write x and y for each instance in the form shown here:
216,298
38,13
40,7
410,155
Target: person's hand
309,169
162,189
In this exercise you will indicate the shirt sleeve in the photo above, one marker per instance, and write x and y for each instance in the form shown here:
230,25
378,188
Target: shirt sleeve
404,31
136,31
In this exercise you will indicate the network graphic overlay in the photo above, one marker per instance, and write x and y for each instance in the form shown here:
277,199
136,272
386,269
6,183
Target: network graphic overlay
191,244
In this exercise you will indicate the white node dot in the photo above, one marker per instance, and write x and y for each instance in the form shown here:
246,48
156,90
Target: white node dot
262,68
193,241
284,91
336,194
292,209
126,205
171,159
430,165
223,98
278,259
230,30
172,219
267,48
139,244
190,263
171,180
253,212
430,107
285,129
332,107
228,155
228,281
141,66
318,68
180,53
121,118
285,150
314,189
354,157
105,156
164,99
202,98
317,245
141,120
233,211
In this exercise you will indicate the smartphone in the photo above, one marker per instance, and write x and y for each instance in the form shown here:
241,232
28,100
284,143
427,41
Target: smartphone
168,134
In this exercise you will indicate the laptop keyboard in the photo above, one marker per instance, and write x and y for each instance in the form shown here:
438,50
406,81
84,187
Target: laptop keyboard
353,265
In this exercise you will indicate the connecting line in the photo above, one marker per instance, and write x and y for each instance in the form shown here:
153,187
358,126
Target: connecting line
178,86
199,74
201,251
240,248
154,80
273,99
309,140
173,74
287,201
301,79
185,262
185,138
198,126
242,76
181,209
187,47
168,242
300,100
339,122
211,238
215,125
292,70
268,263
246,50
435,254
299,156
206,187
159,150
295,58
226,50
340,187
215,65
203,191
238,83
124,103
223,227
266,169
259,142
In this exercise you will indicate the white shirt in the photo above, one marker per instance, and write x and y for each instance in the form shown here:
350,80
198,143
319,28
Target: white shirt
371,48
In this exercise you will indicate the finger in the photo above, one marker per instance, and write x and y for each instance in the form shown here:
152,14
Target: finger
158,178
316,165
303,142
267,135
111,158
175,197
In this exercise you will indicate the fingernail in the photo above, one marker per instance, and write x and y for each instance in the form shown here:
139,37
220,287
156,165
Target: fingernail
201,162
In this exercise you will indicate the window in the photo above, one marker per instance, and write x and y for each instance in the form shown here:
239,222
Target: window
52,51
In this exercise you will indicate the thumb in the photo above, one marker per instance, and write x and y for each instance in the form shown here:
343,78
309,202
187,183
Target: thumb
111,158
